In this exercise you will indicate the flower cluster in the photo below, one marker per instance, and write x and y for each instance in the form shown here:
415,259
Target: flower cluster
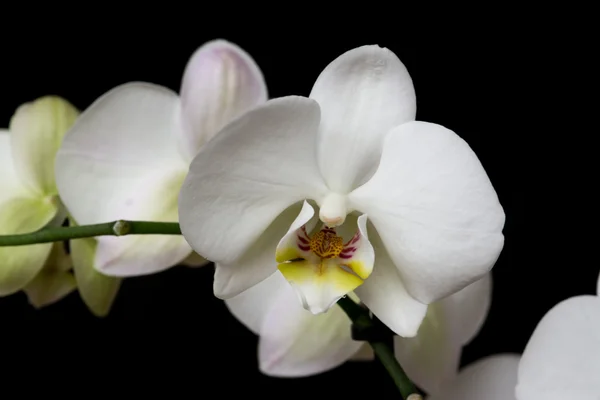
299,202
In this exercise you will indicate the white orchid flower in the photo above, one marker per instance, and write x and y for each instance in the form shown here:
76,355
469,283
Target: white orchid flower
29,201
351,148
294,343
561,361
128,153
491,378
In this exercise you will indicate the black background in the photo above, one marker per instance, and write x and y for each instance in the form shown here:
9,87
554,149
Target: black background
168,331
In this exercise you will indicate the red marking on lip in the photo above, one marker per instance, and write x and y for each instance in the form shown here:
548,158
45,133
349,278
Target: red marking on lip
345,256
303,248
303,240
349,249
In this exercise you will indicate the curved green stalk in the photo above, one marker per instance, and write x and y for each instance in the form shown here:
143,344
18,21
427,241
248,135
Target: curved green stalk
115,228
361,320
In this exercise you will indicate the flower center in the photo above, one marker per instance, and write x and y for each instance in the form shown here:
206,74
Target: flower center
321,267
326,244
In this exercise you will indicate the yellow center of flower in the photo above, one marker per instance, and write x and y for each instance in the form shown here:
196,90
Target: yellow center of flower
326,244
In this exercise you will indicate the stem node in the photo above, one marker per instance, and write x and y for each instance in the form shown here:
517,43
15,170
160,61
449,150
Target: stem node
121,227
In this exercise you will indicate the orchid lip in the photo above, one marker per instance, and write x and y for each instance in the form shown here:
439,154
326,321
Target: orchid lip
321,267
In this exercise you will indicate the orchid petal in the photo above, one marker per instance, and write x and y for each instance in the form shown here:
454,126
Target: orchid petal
295,243
54,281
562,358
247,175
490,378
10,182
251,306
384,294
295,343
435,210
37,129
194,260
21,211
20,264
363,94
97,290
319,285
433,356
120,161
365,353
220,83
258,262
467,309
320,280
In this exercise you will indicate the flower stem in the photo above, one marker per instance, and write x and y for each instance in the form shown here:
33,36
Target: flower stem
114,228
362,322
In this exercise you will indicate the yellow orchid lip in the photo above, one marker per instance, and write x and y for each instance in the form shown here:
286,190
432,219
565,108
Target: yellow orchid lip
322,268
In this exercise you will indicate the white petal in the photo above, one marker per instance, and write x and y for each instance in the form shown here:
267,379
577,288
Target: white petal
296,343
384,294
221,82
54,281
467,309
363,94
490,378
562,358
257,263
97,291
435,210
247,175
433,356
155,199
37,130
120,161
252,305
195,260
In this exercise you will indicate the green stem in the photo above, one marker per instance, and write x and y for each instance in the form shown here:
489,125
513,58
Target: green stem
115,228
361,319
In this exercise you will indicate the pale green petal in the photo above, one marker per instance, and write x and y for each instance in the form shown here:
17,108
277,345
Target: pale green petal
54,281
98,291
20,264
195,260
10,185
37,129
